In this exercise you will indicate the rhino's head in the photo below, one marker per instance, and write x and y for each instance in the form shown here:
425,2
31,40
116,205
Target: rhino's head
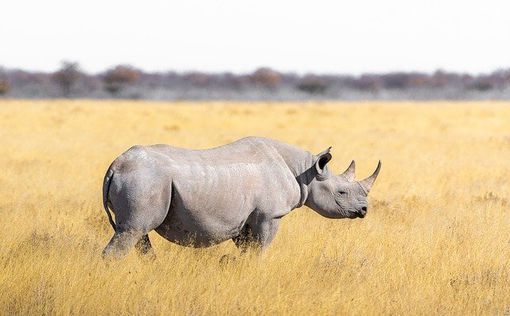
338,196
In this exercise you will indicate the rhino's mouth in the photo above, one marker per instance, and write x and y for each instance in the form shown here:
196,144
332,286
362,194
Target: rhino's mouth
356,215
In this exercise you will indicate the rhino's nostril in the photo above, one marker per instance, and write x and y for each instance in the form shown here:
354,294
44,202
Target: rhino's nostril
364,209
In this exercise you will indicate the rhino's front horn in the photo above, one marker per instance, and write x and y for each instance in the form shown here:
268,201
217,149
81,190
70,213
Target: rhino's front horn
368,182
349,173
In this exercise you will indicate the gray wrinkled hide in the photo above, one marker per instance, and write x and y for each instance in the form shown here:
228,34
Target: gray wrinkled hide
238,191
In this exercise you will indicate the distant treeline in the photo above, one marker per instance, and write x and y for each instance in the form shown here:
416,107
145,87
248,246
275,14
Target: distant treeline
125,81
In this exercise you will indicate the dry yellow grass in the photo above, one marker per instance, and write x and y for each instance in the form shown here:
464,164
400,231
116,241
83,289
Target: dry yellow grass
435,241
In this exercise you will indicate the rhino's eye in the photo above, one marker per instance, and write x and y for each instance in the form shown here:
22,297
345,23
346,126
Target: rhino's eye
342,192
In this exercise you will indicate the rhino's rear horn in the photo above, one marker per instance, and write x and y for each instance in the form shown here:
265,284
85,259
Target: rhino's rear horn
349,172
368,182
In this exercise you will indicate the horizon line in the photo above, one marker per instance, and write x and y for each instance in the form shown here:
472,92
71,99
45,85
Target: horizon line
284,72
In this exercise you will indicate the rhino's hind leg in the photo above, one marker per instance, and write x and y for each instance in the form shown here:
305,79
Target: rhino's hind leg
144,247
139,208
121,243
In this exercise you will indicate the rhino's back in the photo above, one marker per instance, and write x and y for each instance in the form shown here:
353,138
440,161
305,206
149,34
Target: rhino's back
250,150
249,164
230,176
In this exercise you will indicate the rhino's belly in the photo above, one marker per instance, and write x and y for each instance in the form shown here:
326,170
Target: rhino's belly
198,235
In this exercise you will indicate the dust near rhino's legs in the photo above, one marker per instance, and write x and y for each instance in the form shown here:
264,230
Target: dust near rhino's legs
121,243
144,247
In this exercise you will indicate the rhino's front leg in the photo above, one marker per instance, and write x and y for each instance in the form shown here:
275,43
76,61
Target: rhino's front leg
266,231
257,235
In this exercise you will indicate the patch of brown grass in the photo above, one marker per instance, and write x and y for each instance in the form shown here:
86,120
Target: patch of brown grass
436,238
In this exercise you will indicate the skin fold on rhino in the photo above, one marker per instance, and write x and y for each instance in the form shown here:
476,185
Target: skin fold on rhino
237,191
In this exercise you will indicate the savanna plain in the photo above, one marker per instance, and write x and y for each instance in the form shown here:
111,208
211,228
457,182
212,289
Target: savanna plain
436,239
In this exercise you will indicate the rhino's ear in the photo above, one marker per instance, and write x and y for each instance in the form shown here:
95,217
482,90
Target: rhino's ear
322,160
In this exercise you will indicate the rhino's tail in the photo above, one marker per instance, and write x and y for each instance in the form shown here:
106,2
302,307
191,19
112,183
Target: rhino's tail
106,189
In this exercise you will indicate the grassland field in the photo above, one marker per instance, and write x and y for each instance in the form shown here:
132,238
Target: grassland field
436,239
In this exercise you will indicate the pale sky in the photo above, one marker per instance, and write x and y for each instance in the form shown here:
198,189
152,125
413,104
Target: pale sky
321,36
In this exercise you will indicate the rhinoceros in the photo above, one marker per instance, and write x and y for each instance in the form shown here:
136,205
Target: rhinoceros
238,191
